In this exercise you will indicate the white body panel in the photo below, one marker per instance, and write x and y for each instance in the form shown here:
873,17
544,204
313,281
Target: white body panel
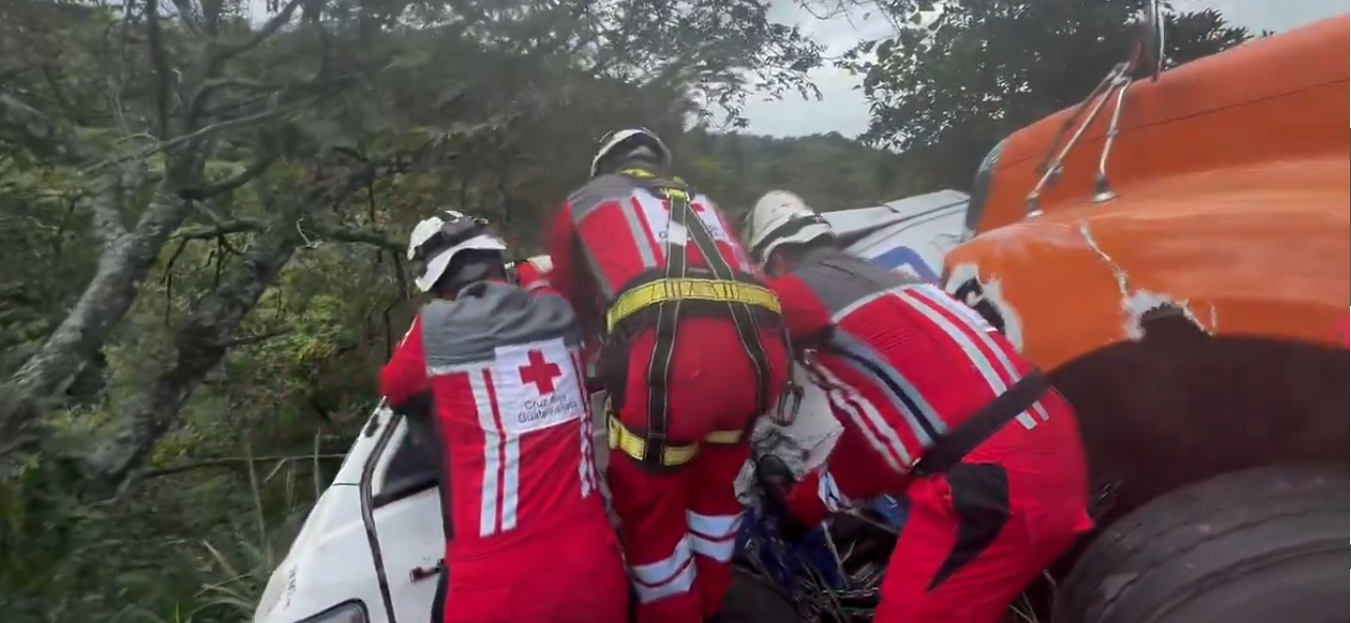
331,562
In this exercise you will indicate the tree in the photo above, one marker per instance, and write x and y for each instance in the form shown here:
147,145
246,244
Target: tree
185,115
829,171
949,86
201,229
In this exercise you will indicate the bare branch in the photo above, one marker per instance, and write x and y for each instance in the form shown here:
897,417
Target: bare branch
199,347
270,28
202,132
235,461
311,228
217,189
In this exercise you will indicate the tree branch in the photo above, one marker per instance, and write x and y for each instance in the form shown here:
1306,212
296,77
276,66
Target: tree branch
233,461
273,25
321,228
159,60
209,191
107,208
199,133
199,347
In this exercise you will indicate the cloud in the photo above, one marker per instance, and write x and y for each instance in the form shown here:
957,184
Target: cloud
843,109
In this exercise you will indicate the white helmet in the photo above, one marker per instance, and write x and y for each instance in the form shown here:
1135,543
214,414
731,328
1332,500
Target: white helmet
624,141
436,240
782,217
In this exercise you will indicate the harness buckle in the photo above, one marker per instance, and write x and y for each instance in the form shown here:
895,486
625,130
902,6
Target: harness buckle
790,401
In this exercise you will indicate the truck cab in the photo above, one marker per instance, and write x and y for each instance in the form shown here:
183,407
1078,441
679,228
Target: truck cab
1174,254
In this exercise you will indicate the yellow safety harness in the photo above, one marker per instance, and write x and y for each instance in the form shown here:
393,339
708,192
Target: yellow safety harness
667,290
666,293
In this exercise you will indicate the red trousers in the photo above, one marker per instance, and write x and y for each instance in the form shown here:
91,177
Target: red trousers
977,535
679,525
572,572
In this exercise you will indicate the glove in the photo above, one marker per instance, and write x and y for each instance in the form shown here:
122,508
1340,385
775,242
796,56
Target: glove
534,271
777,481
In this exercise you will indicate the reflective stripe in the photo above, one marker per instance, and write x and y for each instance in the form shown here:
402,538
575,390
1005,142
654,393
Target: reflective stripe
713,536
511,469
829,492
910,403
842,313
666,577
923,298
644,215
511,460
411,326
492,457
586,467
962,311
643,237
874,427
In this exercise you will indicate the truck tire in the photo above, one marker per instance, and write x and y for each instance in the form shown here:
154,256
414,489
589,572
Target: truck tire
1256,546
754,600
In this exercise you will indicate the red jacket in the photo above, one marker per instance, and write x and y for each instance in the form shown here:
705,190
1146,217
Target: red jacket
504,366
610,235
611,231
901,364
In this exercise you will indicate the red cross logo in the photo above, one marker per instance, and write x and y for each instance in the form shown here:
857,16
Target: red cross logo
540,372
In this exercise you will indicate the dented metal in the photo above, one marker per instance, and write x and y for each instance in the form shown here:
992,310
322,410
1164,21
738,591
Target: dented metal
1136,303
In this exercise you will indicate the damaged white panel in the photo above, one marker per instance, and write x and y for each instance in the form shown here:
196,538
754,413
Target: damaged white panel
802,445
990,292
1135,304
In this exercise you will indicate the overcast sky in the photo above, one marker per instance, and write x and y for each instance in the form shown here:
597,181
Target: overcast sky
843,110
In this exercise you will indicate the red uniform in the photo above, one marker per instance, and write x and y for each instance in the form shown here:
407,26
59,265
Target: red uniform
679,520
904,366
527,538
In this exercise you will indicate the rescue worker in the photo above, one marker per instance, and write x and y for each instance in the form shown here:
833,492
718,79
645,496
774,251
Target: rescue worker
938,410
527,537
692,353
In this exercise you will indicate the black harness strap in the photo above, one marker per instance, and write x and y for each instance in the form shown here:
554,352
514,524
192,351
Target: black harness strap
959,442
743,317
668,314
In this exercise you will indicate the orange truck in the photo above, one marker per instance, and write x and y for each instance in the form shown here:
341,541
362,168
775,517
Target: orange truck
1175,254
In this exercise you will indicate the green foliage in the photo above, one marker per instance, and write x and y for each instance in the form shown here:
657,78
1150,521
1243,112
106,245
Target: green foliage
946,88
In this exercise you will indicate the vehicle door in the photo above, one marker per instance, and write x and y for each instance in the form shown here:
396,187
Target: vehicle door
401,506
